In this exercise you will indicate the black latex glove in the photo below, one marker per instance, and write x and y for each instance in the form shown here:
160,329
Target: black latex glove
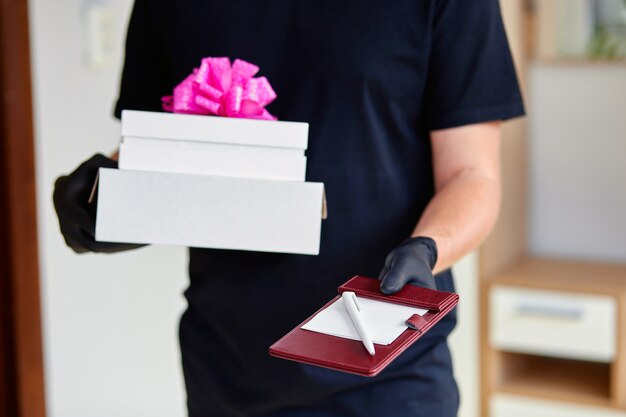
410,263
77,217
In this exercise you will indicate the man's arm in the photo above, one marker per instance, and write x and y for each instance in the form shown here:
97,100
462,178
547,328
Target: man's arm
466,165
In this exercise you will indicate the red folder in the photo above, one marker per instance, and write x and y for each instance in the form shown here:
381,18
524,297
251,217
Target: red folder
350,355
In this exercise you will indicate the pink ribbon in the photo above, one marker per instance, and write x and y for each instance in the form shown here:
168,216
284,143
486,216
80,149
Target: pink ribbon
222,89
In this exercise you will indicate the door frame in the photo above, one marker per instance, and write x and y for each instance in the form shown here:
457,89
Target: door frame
21,354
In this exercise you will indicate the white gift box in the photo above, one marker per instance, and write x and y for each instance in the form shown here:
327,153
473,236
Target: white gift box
227,130
210,159
211,182
191,144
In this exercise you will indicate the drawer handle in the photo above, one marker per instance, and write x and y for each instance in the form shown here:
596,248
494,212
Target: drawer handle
550,312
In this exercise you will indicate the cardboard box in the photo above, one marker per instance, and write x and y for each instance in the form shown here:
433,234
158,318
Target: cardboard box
226,130
174,144
208,161
211,182
209,211
190,144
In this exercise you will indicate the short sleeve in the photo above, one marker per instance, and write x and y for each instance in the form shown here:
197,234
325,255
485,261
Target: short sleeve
146,76
471,76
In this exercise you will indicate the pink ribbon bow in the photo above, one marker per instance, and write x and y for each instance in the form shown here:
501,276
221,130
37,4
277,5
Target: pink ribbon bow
221,89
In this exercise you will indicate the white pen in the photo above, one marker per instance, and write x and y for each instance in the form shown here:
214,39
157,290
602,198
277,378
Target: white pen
354,310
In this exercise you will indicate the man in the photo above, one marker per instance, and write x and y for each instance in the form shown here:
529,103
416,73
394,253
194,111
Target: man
404,100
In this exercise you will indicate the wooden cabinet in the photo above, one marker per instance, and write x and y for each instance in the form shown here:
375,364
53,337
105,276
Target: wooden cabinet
503,405
555,330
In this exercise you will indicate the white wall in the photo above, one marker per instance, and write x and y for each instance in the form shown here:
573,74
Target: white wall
464,343
578,161
110,322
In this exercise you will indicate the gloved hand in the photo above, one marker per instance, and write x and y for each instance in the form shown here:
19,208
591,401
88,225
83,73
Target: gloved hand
410,263
77,217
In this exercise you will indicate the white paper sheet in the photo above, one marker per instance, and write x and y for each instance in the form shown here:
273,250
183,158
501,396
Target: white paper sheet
384,321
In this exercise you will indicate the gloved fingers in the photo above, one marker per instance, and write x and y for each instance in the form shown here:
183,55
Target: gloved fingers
73,213
75,238
104,161
78,184
70,192
92,245
406,270
109,247
423,277
60,193
76,215
86,174
81,242
397,276
389,260
92,164
384,271
71,243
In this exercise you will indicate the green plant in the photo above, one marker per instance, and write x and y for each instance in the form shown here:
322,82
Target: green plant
603,44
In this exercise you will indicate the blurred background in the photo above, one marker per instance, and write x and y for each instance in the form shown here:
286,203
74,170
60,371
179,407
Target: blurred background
542,328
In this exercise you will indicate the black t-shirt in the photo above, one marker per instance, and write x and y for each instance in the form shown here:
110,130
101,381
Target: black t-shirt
372,78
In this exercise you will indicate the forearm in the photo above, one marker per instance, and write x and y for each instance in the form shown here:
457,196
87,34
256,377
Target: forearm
466,167
460,215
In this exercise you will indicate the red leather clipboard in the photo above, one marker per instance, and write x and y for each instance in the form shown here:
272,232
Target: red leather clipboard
349,355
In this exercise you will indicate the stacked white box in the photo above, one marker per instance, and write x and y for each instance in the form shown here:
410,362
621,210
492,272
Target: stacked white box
213,146
211,182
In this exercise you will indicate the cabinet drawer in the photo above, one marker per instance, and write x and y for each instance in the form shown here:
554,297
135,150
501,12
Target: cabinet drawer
553,323
517,406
